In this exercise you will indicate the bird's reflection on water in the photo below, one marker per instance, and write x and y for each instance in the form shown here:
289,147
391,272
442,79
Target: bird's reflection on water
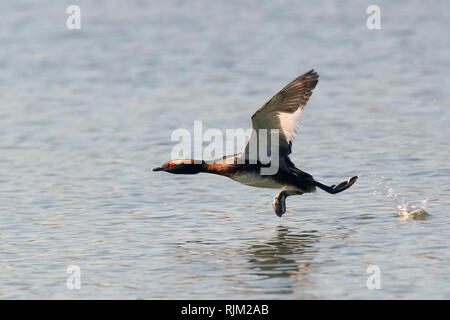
286,257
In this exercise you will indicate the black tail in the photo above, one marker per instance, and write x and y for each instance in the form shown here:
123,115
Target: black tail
339,188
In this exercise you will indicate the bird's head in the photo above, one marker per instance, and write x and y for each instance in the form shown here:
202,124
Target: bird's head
180,167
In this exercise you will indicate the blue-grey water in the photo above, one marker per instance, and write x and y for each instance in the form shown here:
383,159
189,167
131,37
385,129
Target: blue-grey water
85,114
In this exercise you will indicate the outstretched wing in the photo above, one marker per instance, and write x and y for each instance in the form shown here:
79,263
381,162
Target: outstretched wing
283,111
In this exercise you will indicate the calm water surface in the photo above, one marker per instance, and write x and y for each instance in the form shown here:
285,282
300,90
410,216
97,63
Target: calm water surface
85,114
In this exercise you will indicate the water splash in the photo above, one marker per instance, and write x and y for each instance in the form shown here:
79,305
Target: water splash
406,209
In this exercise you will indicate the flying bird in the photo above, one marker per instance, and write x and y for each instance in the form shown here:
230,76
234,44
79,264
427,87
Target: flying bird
281,112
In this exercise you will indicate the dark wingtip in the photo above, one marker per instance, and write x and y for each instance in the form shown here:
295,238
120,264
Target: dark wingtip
313,73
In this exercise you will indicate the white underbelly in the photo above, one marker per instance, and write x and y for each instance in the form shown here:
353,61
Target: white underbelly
259,181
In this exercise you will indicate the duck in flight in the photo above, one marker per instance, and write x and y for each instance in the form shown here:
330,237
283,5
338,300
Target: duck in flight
281,112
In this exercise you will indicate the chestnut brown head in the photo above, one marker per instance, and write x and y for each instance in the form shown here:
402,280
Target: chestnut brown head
181,167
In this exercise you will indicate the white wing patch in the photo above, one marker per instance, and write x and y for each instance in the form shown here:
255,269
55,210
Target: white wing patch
289,123
283,111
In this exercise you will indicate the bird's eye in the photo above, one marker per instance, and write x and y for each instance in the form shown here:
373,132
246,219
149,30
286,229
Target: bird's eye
170,164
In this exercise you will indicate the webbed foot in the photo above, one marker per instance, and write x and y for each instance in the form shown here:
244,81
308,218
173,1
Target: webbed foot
279,202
